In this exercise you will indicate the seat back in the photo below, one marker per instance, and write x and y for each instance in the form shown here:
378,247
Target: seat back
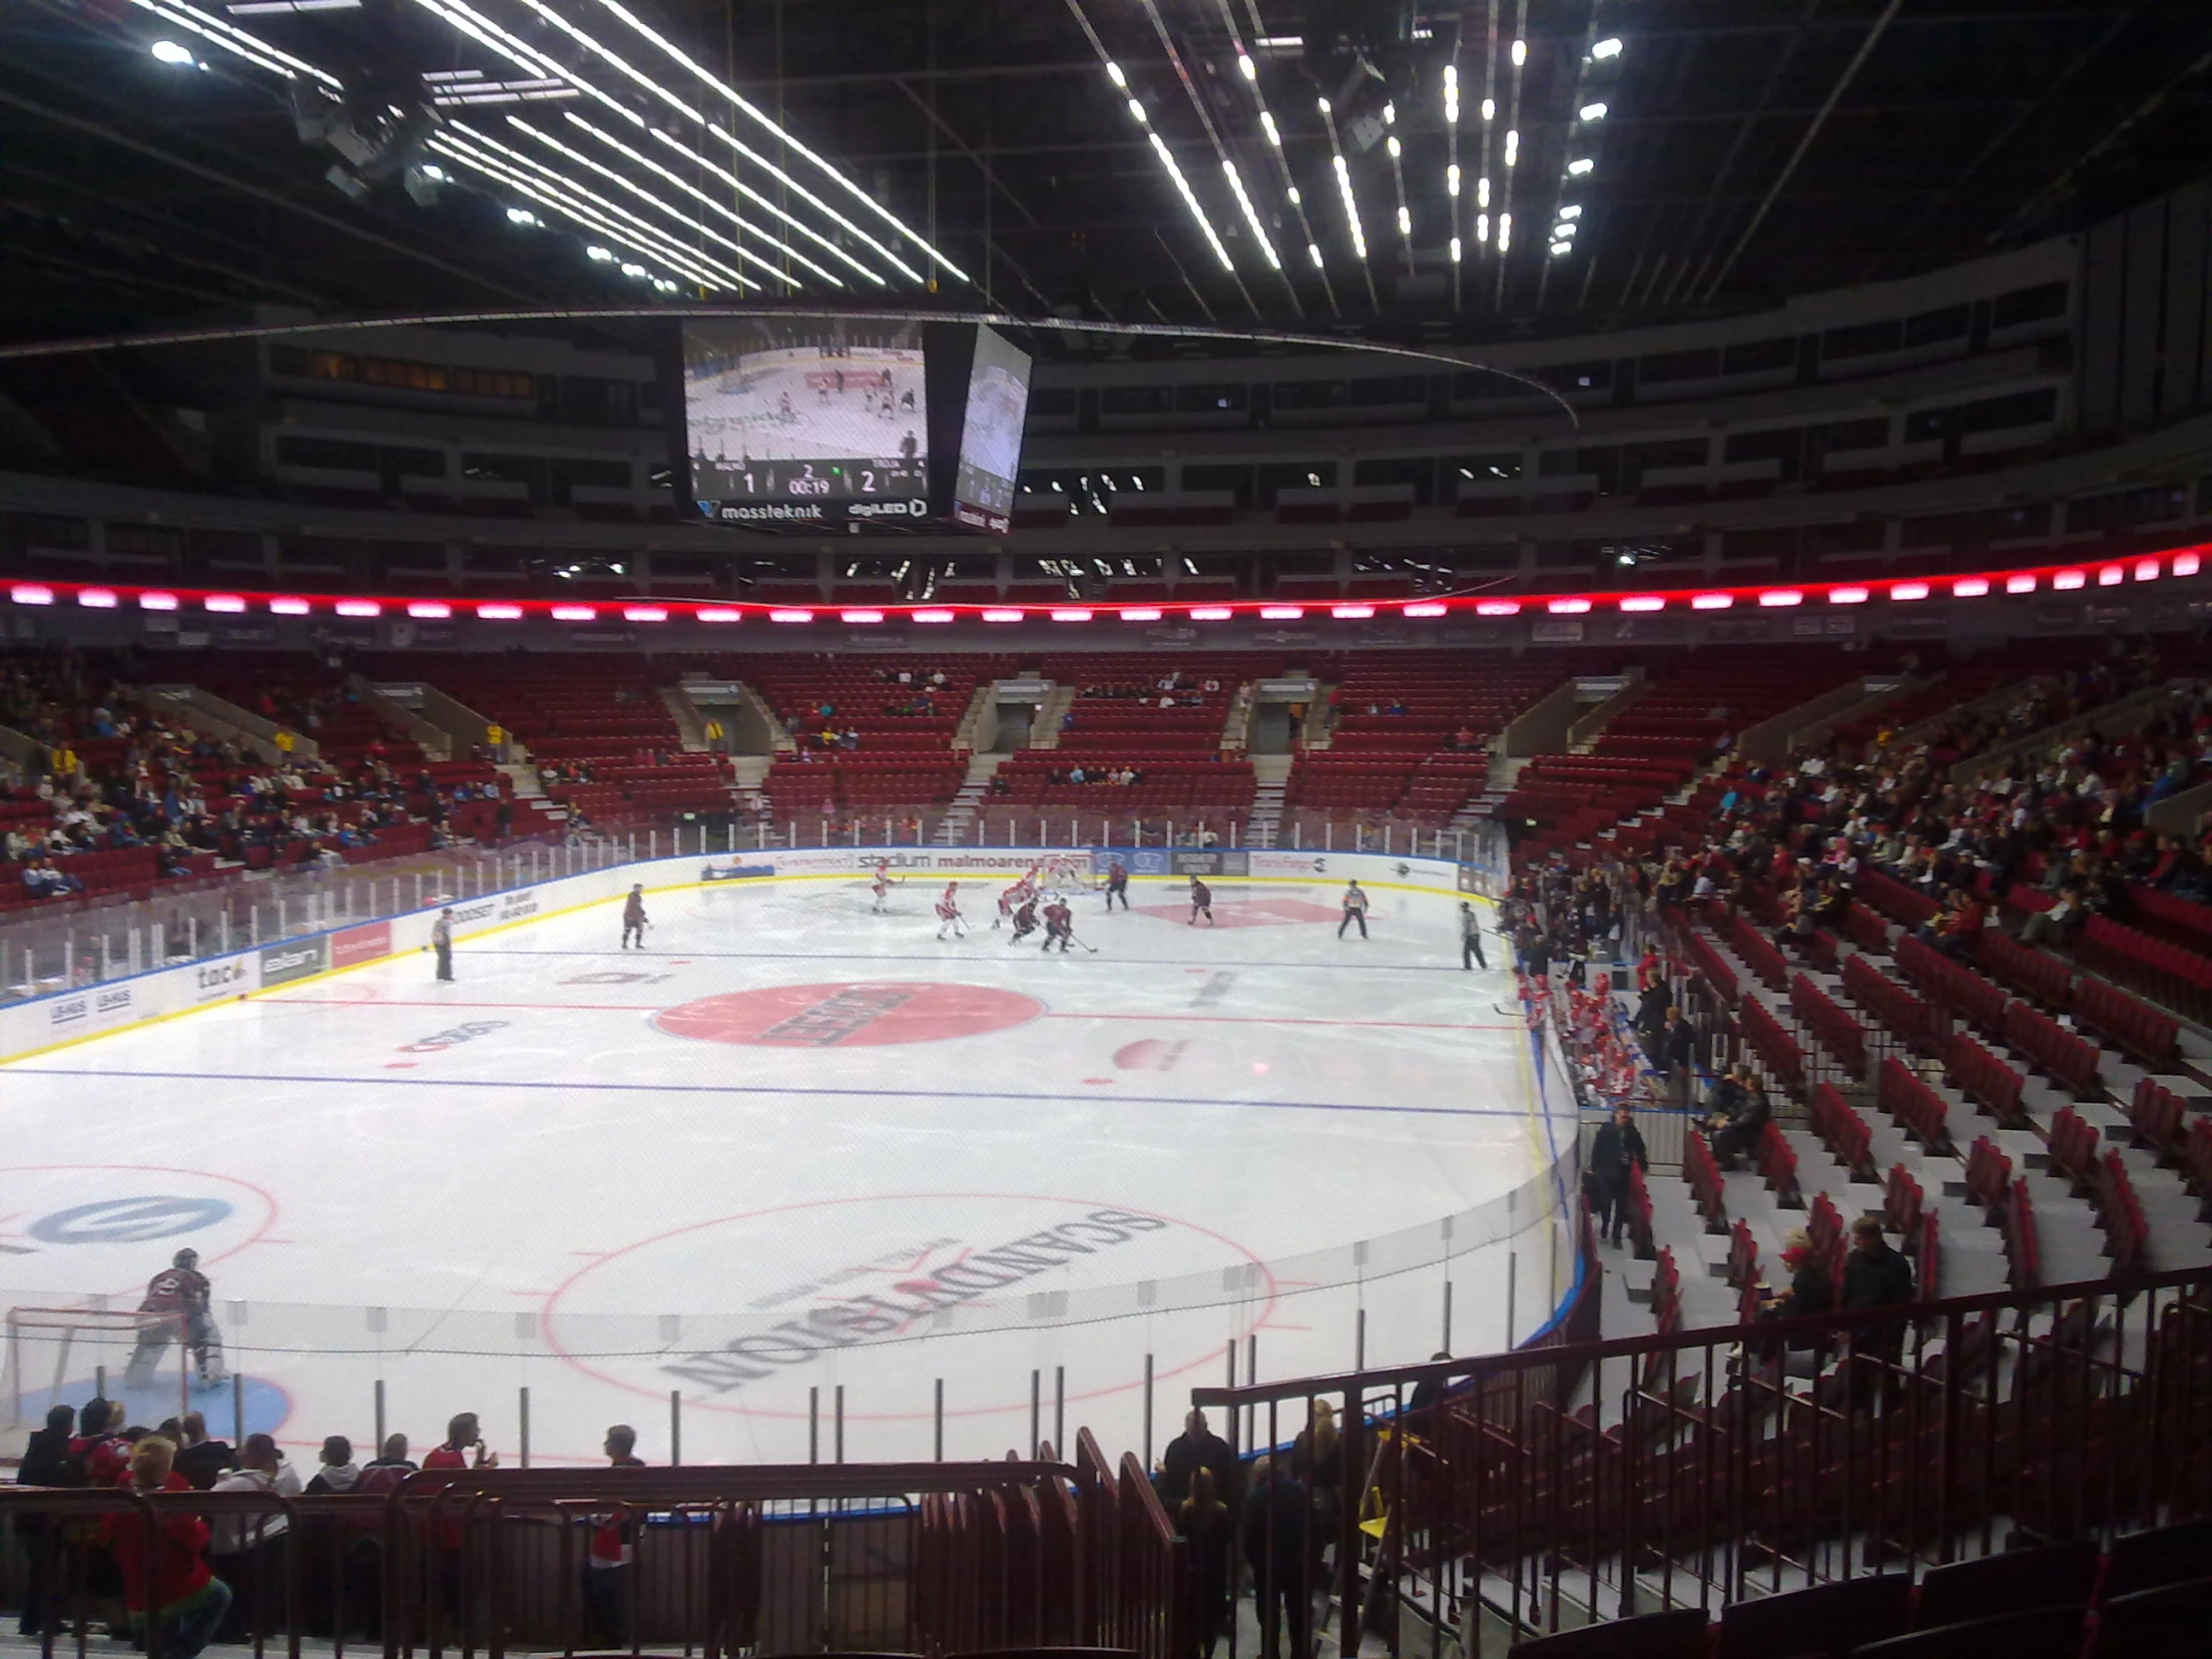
1678,1634
2155,1624
2038,1633
1824,1622
2056,1575
2164,1555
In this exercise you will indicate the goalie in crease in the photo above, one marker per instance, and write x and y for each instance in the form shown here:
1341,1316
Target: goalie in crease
181,1292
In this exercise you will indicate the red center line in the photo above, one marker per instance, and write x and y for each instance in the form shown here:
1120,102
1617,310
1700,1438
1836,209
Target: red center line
1290,1020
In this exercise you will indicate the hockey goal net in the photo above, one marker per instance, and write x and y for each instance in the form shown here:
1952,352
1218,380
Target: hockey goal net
1071,873
43,1344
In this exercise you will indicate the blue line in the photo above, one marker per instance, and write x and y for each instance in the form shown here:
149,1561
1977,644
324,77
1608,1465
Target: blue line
941,960
956,1096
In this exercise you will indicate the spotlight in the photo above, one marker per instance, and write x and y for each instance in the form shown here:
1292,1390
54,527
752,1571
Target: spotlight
168,51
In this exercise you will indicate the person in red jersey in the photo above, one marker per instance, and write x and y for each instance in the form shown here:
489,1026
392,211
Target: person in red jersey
949,912
1059,923
188,1601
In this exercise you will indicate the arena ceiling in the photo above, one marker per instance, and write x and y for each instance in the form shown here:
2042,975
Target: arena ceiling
1302,164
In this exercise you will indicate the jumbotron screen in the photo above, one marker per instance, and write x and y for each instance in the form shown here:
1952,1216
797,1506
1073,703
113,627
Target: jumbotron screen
808,423
990,435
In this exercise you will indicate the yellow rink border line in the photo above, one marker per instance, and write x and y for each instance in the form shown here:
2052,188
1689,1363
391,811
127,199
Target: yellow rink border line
150,1021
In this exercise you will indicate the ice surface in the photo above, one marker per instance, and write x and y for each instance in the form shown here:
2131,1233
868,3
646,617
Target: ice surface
867,1159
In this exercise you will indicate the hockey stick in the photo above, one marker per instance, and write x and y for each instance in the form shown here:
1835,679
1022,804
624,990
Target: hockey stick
1092,948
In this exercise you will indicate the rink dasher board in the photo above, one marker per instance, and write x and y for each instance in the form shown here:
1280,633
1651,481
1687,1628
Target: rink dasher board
63,1019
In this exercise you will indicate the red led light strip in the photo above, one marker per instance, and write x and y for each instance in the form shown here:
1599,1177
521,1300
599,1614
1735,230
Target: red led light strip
2060,578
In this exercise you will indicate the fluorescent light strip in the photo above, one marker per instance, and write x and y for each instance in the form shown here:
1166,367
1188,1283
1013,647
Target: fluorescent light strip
97,599
604,217
731,214
259,60
437,75
646,195
257,8
1190,199
616,62
597,223
785,138
526,184
804,194
1251,214
743,189
481,99
575,613
462,17
477,27
1352,206
242,42
1427,608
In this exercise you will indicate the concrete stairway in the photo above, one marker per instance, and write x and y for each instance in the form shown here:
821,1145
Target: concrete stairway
959,817
1271,776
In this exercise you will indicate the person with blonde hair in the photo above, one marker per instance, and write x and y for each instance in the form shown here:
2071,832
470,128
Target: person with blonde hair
188,1601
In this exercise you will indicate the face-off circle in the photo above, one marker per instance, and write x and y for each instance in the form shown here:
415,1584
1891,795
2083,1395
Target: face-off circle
853,1282
852,1014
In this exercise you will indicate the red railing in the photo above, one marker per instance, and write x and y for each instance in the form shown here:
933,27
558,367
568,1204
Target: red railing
927,1558
1698,1468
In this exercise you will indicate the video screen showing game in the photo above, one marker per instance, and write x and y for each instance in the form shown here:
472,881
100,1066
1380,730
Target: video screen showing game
810,422
990,435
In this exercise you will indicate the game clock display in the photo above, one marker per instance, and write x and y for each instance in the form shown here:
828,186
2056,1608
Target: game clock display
770,491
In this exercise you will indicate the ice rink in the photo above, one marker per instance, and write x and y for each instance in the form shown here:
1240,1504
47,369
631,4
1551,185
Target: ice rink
793,1148
788,404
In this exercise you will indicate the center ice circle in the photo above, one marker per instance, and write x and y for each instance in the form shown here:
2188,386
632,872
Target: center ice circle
870,1013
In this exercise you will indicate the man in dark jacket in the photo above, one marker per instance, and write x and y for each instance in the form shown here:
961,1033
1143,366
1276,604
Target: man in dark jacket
1197,1447
1746,1120
202,1460
1618,1146
1678,1053
1276,1532
1874,1275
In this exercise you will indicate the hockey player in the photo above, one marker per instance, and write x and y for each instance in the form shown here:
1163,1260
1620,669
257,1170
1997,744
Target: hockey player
949,912
441,941
1025,919
181,1293
1356,911
1011,899
880,887
1202,902
1117,885
633,917
1059,923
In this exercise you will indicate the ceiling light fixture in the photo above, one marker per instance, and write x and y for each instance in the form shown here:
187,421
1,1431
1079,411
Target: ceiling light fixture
785,140
1251,214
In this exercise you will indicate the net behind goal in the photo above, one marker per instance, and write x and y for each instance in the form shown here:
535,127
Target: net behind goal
48,1348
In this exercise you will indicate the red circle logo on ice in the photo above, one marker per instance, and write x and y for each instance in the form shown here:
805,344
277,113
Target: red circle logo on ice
854,1014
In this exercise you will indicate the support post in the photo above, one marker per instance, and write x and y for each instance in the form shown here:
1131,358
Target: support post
1059,1410
814,1425
1036,1411
1360,1342
839,1424
379,1415
1446,1345
1148,1413
939,1436
237,1411
675,1427
522,1407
